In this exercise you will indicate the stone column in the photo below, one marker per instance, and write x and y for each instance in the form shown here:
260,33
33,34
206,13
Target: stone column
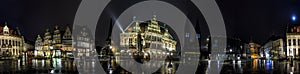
296,48
18,51
296,52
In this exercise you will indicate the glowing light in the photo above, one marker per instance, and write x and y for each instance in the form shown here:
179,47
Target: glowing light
197,36
118,24
294,18
120,27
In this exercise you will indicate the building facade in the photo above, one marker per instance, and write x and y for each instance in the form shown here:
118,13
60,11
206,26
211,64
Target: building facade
153,35
246,51
54,44
273,49
254,50
11,42
84,49
293,41
278,49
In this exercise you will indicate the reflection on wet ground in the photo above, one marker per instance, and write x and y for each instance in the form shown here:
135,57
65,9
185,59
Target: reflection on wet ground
67,66
38,66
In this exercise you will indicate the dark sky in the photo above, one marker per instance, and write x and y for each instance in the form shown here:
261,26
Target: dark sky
245,19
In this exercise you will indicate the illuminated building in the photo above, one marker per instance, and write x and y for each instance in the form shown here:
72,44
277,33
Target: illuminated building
11,41
84,49
266,50
246,51
273,49
67,43
153,36
28,49
56,44
293,41
254,50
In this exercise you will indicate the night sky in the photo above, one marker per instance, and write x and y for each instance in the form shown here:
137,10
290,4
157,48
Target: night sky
244,19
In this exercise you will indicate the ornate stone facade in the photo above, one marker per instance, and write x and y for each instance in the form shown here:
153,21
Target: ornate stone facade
153,36
11,42
54,44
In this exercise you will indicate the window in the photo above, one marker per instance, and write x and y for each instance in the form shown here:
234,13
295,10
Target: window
289,42
147,45
153,38
147,37
298,41
159,39
130,41
294,41
166,45
187,35
197,36
125,41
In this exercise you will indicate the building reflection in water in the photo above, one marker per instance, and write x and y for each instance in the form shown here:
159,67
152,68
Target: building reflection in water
57,65
37,66
255,64
112,67
273,66
292,67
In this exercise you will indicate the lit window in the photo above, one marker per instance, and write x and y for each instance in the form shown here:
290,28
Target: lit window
130,41
198,36
187,35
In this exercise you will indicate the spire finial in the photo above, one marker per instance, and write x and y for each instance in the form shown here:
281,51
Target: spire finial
154,17
56,26
134,18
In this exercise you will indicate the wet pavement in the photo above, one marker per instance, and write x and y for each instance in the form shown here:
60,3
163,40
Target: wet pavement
68,66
